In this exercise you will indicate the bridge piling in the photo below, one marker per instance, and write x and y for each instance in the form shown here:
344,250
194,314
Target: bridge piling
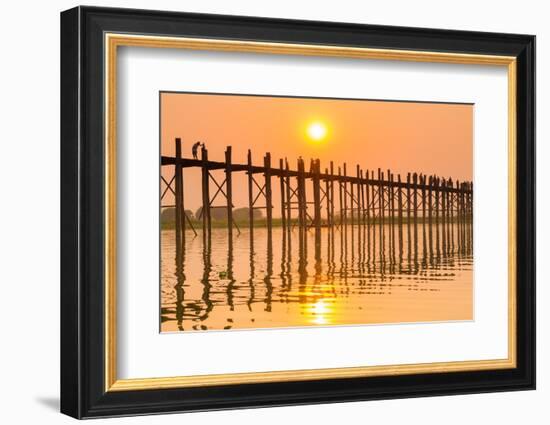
229,195
409,202
340,204
415,207
268,198
444,213
180,209
250,198
400,212
392,214
282,195
331,180
206,218
317,207
288,197
367,200
327,199
345,211
382,206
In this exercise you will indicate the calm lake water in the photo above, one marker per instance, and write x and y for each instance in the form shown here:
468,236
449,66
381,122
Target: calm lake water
363,276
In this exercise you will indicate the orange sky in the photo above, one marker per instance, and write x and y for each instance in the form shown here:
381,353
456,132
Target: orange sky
426,138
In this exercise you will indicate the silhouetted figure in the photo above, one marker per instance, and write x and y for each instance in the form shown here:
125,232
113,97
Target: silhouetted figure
195,150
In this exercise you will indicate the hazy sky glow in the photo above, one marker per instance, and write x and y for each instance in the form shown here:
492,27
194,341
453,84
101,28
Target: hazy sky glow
426,138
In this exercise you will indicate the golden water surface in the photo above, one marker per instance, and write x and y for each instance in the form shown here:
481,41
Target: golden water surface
349,279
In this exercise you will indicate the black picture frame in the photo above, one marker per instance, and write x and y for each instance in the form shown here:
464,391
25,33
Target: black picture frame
83,392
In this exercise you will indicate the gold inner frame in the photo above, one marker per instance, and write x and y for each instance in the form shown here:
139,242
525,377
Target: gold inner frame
113,41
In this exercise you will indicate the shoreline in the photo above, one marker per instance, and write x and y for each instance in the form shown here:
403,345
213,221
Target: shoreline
277,222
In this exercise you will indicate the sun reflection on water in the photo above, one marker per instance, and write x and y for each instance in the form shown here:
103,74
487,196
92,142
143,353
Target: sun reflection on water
321,312
365,277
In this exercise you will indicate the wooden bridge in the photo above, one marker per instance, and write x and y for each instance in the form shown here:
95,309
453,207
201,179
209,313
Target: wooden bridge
363,198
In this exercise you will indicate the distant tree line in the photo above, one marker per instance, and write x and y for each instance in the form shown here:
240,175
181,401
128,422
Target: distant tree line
168,215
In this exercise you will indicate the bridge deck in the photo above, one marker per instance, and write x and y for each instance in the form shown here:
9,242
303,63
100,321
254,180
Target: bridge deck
278,172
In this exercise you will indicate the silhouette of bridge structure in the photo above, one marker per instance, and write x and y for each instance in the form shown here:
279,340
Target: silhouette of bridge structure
313,197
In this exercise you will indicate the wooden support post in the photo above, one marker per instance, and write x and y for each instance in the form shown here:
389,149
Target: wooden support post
423,200
351,204
423,183
304,211
458,215
282,193
430,212
391,202
382,213
331,195
430,204
250,198
367,198
437,205
466,214
229,195
206,218
352,217
327,198
341,200
300,191
381,207
373,199
459,218
399,202
363,199
288,201
304,200
400,215
345,205
449,203
366,210
443,213
180,212
345,195
451,219
355,215
390,195
362,221
317,207
373,202
447,213
268,198
358,197
415,211
409,202
471,210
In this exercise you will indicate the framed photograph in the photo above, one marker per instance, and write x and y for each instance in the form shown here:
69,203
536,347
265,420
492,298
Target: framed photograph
261,212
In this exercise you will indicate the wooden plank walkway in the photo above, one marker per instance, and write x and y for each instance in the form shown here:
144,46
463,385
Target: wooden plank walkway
278,172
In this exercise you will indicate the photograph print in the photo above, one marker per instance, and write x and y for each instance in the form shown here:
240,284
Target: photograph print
282,212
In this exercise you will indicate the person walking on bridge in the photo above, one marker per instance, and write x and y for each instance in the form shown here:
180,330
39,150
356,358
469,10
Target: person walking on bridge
195,150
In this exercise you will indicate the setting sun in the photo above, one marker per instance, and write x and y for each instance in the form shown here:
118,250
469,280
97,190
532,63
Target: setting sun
317,131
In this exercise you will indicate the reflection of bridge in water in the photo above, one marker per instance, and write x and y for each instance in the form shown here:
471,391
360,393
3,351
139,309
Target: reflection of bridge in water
373,226
370,266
